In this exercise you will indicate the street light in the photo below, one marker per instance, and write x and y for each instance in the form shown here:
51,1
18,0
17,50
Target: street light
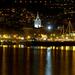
49,27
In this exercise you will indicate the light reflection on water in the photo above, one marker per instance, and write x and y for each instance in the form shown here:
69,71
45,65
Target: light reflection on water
48,62
4,62
22,60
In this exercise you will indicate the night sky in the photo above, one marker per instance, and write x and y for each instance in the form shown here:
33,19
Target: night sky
43,6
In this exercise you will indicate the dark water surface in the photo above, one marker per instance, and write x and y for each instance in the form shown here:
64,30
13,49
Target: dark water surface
22,60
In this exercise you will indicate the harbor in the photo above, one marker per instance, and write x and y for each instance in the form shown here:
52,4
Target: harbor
37,37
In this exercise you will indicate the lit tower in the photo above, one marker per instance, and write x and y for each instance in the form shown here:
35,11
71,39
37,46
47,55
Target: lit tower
69,27
69,30
37,22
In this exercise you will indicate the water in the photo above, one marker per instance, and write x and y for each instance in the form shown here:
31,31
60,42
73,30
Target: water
22,60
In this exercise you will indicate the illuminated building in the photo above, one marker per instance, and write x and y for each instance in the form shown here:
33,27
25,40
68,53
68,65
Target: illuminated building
37,22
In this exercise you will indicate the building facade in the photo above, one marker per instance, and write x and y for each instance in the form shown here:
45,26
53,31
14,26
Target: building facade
37,22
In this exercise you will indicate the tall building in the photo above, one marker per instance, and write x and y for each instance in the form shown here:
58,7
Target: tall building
37,22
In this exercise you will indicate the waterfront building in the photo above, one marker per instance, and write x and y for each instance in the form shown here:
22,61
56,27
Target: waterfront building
37,22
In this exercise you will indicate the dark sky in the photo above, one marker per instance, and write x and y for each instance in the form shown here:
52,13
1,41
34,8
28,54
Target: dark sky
34,6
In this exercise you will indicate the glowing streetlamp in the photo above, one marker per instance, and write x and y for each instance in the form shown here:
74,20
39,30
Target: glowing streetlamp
49,27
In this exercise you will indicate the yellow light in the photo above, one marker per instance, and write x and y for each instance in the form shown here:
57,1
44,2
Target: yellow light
62,36
67,47
53,34
73,48
1,41
73,34
5,36
19,46
53,47
57,48
62,47
4,46
21,38
28,47
14,36
28,37
14,46
44,37
57,37
42,47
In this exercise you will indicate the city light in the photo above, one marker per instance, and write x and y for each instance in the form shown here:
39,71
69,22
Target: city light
28,37
37,37
35,23
49,27
43,37
5,36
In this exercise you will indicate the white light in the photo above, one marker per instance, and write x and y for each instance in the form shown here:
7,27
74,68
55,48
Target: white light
49,27
36,26
22,38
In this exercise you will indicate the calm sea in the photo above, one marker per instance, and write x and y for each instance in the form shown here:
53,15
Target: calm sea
22,60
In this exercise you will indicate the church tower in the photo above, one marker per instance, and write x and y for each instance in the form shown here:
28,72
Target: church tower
37,22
